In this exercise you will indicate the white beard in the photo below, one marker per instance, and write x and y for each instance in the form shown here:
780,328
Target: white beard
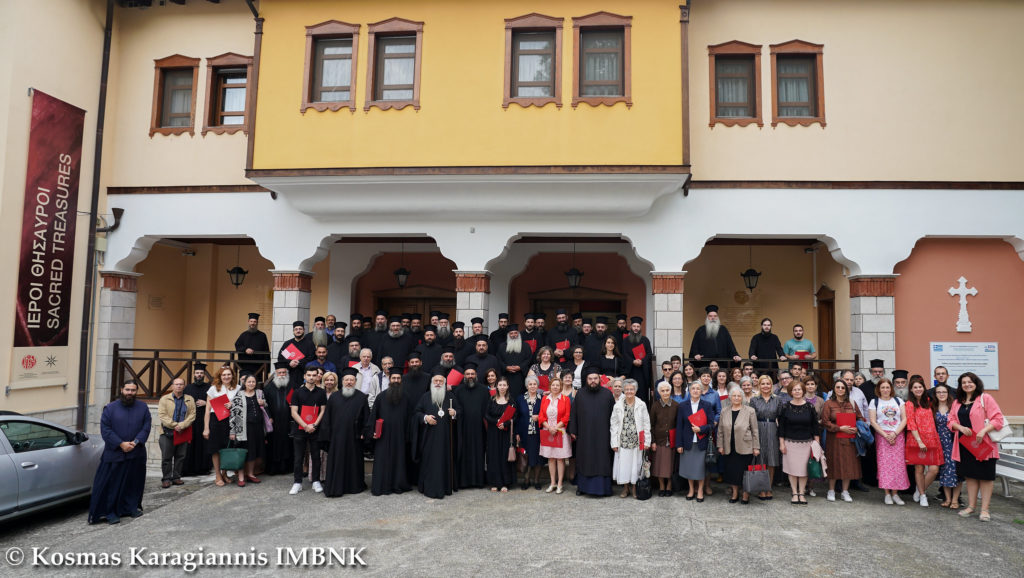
514,345
437,394
447,364
320,338
396,334
444,332
281,381
711,328
348,391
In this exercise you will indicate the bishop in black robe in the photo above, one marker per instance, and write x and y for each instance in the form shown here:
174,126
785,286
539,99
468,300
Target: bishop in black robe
391,449
519,360
304,344
434,440
278,458
707,347
471,433
342,428
197,461
590,426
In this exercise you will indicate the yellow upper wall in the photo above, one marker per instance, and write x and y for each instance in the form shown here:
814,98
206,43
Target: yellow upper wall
913,91
461,121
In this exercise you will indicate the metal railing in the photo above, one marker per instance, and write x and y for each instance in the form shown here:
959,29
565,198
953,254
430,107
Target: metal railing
821,369
154,369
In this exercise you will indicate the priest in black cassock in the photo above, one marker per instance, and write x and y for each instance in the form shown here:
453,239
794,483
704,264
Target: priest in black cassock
251,342
593,345
590,426
482,359
342,428
197,461
391,449
562,334
278,457
637,351
514,360
445,365
471,431
416,381
712,340
529,333
433,418
304,344
498,336
397,343
430,350
765,348
121,477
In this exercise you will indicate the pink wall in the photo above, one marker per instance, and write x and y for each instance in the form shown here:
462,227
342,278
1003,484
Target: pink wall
926,312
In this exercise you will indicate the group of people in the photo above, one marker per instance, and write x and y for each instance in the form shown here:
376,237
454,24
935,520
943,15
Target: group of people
439,413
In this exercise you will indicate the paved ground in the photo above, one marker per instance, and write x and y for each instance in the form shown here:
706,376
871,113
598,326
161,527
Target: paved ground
526,533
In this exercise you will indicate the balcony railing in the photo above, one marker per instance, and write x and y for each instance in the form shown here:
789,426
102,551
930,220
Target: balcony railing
154,369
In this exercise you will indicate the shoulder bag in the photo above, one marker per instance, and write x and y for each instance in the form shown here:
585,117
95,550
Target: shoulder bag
996,435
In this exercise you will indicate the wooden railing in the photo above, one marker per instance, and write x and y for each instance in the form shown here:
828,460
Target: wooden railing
154,369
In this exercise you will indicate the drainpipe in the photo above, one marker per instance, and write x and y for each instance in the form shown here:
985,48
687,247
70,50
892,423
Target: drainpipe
90,253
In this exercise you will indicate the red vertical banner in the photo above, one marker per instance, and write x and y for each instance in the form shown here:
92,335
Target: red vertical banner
47,252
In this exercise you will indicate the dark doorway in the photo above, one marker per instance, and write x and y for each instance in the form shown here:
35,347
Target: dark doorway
826,326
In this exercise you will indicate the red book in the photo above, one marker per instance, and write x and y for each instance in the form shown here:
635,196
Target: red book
219,405
510,412
757,467
847,419
672,437
288,397
981,451
639,352
533,345
454,377
550,440
642,440
604,380
801,354
563,345
543,382
377,427
493,392
353,363
291,353
308,413
183,437
699,419
625,336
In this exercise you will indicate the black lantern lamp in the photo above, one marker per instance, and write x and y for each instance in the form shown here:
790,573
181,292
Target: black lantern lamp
236,274
750,276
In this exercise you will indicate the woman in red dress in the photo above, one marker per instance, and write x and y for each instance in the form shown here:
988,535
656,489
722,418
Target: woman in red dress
924,448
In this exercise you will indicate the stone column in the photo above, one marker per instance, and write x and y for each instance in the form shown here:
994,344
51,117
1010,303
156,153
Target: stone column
873,319
291,304
472,297
115,323
668,314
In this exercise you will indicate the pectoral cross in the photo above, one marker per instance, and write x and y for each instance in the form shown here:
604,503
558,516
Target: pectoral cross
963,321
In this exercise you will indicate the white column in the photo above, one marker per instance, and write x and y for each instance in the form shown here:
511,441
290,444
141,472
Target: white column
472,297
291,304
115,323
667,314
873,319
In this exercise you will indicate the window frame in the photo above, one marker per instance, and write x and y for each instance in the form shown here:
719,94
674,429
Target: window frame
799,48
215,64
392,27
17,448
330,29
735,48
533,22
597,21
162,65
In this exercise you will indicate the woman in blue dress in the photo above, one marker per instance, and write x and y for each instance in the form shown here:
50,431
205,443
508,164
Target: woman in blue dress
527,434
948,478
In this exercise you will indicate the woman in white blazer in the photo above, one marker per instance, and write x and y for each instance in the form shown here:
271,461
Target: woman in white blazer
631,435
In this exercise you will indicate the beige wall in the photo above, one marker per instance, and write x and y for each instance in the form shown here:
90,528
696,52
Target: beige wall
913,91
197,30
784,293
67,66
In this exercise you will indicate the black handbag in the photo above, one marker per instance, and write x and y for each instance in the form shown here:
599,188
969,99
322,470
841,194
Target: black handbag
711,456
643,485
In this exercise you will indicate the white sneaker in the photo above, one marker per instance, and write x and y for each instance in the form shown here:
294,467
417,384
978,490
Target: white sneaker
811,493
317,487
898,501
917,495
831,496
923,501
888,500
846,497
296,488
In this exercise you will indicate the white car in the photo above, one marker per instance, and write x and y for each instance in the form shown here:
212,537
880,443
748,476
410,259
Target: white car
43,464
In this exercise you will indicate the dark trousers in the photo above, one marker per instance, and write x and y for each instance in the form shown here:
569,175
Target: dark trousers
172,457
300,443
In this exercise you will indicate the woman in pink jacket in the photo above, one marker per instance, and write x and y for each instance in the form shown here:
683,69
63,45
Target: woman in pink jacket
976,455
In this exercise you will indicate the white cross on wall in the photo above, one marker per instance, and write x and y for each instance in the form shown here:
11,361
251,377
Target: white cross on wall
963,321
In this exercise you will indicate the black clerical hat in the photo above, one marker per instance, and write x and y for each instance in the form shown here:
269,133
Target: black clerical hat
900,373
395,371
469,365
476,320
711,309
590,369
394,319
636,319
621,317
254,316
355,316
341,324
577,315
415,316
301,324
588,321
529,316
513,327
320,319
503,316
350,371
413,355
601,319
444,316
380,313
199,365
278,365
877,363
458,325
560,311
427,328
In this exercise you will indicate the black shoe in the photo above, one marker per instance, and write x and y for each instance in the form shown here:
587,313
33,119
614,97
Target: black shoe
733,500
745,501
537,486
137,513
855,485
113,519
689,497
579,492
700,499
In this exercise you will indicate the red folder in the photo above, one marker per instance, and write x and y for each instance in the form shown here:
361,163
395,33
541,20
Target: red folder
493,392
219,405
533,345
288,397
292,353
377,428
543,382
753,468
642,440
625,336
604,380
550,440
563,345
353,363
308,413
454,377
801,354
980,451
847,419
639,352
510,412
183,437
699,419
672,437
